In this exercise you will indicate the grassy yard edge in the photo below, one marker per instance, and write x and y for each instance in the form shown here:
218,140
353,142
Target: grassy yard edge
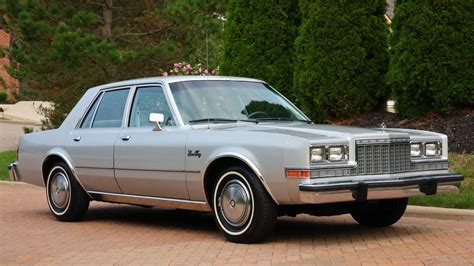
6,157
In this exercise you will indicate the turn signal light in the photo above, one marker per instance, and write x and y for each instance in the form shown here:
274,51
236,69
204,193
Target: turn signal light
297,174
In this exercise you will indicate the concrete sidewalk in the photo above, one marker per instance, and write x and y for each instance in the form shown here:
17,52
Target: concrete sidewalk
25,111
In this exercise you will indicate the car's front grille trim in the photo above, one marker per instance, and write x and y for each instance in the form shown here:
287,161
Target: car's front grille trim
386,156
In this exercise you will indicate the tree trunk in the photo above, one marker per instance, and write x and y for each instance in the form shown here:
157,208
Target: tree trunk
107,17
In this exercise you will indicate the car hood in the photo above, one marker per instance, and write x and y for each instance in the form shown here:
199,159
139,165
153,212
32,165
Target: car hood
316,131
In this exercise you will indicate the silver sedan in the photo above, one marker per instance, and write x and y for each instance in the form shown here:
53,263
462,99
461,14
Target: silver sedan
231,146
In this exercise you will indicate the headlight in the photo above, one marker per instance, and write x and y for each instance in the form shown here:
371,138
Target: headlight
336,154
318,154
432,149
416,150
329,154
428,149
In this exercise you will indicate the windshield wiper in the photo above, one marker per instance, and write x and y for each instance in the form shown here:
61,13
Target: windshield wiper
283,119
223,120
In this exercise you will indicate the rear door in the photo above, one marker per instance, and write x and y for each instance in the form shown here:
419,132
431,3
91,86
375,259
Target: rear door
91,145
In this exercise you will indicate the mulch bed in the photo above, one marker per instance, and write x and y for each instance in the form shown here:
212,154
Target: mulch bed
458,126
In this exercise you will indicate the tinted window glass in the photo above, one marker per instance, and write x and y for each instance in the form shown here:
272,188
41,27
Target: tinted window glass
86,123
149,100
110,111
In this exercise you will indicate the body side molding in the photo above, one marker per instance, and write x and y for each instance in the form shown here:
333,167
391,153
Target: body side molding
150,201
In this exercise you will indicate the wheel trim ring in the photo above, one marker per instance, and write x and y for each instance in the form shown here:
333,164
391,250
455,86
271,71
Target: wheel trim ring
51,206
235,203
233,233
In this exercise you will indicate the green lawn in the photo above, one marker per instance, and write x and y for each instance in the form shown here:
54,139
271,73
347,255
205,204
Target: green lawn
6,157
460,163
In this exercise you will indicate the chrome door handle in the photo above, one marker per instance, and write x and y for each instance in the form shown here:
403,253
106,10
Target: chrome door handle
125,138
77,139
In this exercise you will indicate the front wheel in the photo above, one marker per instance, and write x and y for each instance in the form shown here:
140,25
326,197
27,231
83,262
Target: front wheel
66,199
243,210
380,213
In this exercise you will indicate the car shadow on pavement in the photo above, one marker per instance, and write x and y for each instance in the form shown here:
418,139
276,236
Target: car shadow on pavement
338,228
300,228
161,217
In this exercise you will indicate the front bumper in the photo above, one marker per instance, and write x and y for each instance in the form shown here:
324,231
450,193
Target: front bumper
379,189
13,172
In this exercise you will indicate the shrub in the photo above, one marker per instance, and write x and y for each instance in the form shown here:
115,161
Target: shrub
259,38
432,56
3,96
342,58
28,130
184,68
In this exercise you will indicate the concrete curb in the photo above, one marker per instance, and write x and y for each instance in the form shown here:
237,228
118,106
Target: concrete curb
16,184
440,213
19,122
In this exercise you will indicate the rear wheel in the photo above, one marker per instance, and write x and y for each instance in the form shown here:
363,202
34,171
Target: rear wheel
66,199
380,213
243,210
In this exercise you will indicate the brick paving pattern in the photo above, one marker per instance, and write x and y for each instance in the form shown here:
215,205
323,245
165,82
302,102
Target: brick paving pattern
121,234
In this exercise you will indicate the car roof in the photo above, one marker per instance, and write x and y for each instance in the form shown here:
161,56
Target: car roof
169,79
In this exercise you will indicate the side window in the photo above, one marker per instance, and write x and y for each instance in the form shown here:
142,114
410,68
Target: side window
111,108
149,100
86,123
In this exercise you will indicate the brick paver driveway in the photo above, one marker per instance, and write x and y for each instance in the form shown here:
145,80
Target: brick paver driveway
126,234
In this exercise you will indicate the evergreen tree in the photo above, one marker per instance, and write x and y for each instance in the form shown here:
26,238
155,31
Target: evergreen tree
432,56
341,58
259,39
66,47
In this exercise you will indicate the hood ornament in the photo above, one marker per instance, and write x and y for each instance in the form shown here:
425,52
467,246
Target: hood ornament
382,125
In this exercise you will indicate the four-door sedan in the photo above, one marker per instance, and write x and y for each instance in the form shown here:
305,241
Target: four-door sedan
231,146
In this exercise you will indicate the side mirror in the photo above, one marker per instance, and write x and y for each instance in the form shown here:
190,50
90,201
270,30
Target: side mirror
157,119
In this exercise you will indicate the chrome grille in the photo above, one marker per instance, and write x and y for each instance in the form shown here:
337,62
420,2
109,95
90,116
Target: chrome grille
382,157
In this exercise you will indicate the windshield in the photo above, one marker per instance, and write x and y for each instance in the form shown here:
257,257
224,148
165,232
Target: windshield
214,100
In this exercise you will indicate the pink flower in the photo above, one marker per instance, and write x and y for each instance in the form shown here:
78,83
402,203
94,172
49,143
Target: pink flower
165,74
187,68
177,65
176,70
205,72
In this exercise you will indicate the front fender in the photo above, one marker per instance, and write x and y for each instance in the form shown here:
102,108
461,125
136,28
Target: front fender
246,157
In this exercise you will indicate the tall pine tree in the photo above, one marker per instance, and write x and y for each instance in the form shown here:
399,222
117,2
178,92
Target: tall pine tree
259,39
66,47
341,58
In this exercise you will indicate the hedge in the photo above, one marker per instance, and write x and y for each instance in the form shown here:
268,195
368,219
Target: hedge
432,56
341,58
259,38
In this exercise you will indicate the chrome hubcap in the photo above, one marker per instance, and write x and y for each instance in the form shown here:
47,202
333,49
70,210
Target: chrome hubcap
235,203
59,190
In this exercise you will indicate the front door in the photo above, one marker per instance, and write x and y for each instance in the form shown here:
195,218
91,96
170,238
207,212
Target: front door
91,145
147,162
